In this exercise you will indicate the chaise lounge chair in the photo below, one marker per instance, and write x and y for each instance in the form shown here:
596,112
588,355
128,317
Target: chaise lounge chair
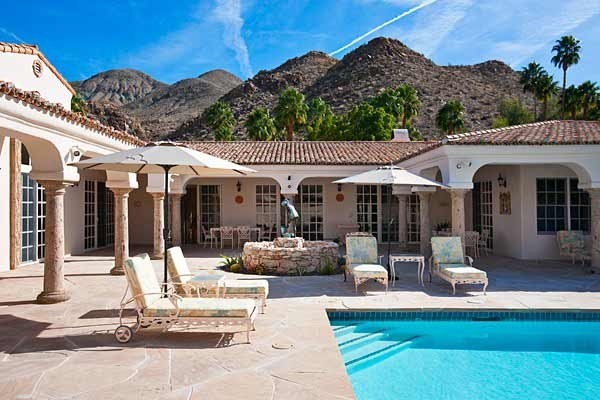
257,289
572,244
448,263
362,261
158,309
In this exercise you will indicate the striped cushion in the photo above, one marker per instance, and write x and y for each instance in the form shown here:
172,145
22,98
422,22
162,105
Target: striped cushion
142,280
368,270
464,272
202,307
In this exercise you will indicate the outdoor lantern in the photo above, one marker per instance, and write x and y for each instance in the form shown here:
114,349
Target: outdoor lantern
501,181
238,185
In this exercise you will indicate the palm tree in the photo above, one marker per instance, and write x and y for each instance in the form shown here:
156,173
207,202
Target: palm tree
260,125
290,111
410,103
451,117
573,100
78,105
529,77
589,94
219,118
567,54
545,88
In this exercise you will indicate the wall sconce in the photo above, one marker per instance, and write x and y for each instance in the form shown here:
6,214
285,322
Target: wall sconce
339,187
501,181
238,185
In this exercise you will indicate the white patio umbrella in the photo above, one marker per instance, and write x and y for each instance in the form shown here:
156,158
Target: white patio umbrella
167,158
391,176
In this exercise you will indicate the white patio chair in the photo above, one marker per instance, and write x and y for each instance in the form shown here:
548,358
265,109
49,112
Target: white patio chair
227,234
483,241
208,237
472,243
266,233
244,235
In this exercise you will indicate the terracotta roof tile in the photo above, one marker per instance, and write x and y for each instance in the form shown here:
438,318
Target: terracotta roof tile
539,133
313,153
57,110
33,49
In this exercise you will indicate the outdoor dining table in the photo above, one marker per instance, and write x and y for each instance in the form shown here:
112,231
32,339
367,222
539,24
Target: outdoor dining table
408,257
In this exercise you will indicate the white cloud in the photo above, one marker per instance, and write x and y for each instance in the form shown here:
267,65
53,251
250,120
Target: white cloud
229,14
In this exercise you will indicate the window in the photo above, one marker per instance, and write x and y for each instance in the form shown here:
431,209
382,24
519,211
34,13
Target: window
311,212
561,206
41,222
267,207
210,206
414,219
366,208
579,207
27,218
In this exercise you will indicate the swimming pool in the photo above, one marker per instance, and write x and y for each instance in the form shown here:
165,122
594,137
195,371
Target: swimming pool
470,355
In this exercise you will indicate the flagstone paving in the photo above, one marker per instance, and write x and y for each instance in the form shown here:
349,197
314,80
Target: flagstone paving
67,350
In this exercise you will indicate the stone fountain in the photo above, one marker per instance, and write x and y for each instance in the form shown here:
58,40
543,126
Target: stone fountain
290,256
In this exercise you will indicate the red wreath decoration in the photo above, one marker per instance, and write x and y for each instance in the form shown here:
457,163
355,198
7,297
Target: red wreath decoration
239,199
339,197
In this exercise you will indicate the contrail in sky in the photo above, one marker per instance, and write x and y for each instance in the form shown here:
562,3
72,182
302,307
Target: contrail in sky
386,23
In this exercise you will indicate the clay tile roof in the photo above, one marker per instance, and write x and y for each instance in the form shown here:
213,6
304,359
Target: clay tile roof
58,111
538,133
313,153
33,49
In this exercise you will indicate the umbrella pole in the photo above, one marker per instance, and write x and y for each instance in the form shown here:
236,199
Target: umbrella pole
389,230
166,228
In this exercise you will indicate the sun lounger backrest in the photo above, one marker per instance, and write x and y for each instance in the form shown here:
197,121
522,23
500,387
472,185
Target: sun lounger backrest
177,266
142,279
447,250
361,249
570,240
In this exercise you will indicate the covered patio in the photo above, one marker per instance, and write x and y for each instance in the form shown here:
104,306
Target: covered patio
48,351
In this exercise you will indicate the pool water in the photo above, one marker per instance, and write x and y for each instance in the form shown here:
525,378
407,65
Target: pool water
471,359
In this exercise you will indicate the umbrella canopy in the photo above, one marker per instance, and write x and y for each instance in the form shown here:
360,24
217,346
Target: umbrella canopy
389,175
152,158
167,158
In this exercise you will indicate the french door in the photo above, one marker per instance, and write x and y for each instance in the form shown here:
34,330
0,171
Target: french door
33,219
483,219
311,211
98,215
210,206
375,206
414,219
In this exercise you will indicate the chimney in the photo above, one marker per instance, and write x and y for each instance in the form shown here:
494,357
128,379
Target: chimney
400,135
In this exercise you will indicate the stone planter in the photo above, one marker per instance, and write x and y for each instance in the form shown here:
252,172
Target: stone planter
289,256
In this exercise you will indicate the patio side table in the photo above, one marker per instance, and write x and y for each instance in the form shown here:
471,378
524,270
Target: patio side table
416,258
203,283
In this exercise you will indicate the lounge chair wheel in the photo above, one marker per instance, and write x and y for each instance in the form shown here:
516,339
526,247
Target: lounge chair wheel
123,334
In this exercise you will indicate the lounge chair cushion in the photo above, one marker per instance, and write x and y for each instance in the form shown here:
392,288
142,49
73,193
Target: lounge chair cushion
361,249
142,279
370,270
247,286
447,250
462,272
177,266
202,307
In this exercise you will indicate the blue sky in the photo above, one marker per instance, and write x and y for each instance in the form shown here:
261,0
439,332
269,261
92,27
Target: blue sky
183,38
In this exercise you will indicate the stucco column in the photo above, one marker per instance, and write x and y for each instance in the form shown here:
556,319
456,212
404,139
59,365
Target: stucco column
15,203
595,228
176,218
425,223
159,224
458,213
54,290
402,219
121,229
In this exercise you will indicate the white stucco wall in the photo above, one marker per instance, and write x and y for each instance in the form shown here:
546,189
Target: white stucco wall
18,69
141,214
4,204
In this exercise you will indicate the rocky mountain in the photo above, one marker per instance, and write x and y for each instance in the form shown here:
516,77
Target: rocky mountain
263,90
164,109
117,86
362,73
149,108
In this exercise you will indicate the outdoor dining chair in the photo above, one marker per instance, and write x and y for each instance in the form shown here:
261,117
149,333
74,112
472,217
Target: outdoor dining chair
227,234
244,234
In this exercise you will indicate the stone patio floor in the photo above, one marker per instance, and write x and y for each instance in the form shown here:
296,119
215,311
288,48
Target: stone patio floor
68,351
